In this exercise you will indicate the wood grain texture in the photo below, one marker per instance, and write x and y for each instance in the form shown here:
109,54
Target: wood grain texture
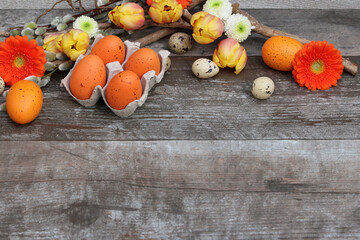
272,4
327,24
225,108
180,190
202,159
183,107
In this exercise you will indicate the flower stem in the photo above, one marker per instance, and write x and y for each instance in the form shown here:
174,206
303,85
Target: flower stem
51,73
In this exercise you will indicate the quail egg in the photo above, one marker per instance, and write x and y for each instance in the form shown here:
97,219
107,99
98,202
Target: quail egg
168,64
263,88
180,43
204,68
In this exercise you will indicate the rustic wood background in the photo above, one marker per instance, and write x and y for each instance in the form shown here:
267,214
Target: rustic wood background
277,4
202,159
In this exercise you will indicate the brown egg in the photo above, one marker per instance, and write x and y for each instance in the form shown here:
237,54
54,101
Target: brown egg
124,88
87,74
24,101
278,52
110,49
142,61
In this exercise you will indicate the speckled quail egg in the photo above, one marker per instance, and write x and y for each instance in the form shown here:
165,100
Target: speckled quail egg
263,88
180,43
204,68
2,85
168,64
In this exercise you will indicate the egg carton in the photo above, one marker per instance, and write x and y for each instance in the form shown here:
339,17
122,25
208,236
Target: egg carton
148,80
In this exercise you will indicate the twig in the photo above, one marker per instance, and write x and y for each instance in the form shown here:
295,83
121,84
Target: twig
155,36
195,3
186,15
178,24
70,2
49,10
266,31
94,10
81,7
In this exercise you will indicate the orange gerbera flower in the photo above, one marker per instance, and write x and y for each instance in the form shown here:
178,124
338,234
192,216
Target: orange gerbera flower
20,58
184,3
318,65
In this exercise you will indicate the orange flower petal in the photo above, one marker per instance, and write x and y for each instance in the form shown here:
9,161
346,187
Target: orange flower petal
318,65
20,58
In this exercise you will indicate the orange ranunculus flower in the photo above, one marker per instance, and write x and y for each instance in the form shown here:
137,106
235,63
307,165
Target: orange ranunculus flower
129,16
75,43
229,53
166,11
207,27
50,44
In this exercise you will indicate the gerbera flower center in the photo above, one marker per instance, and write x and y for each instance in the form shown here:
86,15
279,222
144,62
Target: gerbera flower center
19,62
317,67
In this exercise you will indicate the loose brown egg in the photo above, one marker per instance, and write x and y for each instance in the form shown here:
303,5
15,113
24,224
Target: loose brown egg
278,52
143,61
24,101
124,88
110,49
87,74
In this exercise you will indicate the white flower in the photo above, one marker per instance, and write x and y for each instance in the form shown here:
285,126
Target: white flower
238,27
220,8
87,24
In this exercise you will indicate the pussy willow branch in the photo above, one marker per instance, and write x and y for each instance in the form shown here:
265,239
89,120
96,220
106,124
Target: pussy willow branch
94,12
49,10
266,31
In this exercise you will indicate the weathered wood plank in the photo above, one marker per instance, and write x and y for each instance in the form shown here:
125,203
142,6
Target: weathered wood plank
336,26
183,107
180,190
304,4
249,166
232,189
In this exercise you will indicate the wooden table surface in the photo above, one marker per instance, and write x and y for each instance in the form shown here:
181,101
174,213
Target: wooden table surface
201,159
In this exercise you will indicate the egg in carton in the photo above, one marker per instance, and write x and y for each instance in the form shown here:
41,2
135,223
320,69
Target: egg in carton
148,80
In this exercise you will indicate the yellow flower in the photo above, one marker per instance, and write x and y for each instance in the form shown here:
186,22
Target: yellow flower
229,53
207,27
50,44
166,11
74,43
129,16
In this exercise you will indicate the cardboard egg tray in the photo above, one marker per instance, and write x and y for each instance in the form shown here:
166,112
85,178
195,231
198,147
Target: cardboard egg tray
148,80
